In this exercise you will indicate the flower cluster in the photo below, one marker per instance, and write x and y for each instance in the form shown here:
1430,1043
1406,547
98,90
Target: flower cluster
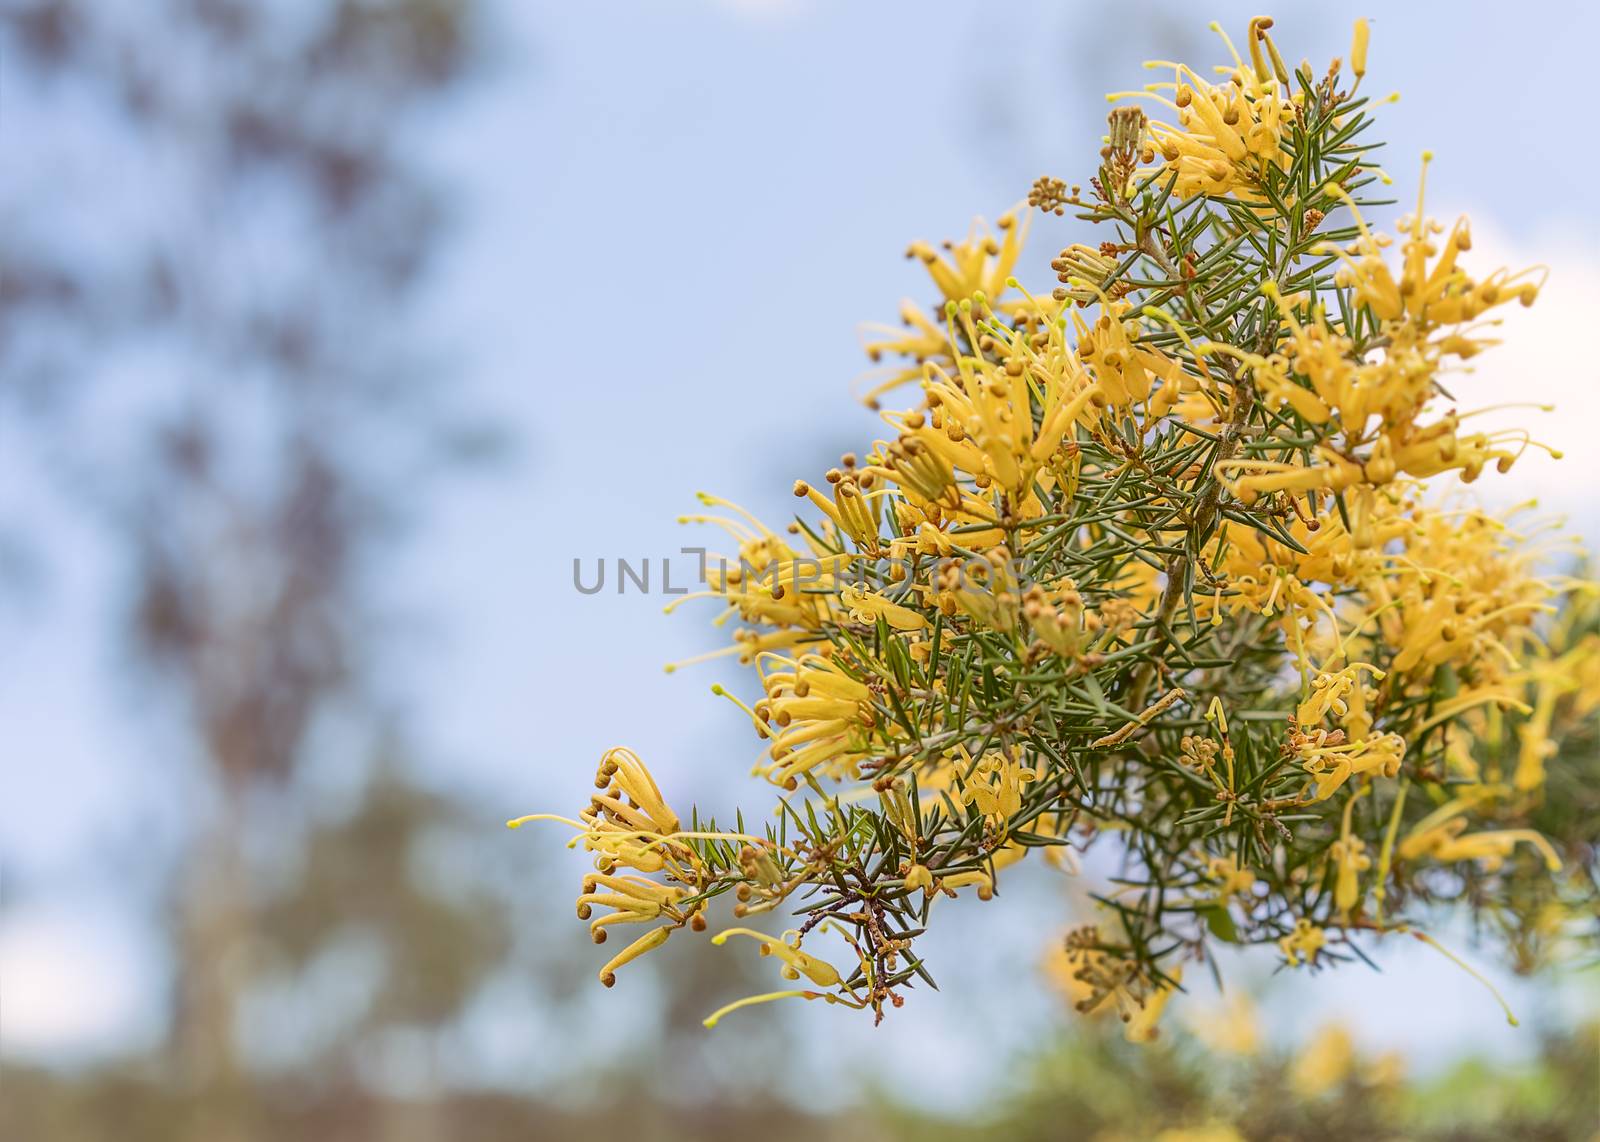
629,826
1161,556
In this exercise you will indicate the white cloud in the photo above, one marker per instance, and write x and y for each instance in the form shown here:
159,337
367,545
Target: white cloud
1549,354
68,986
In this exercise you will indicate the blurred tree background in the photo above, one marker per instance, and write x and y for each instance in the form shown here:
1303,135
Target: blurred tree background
272,440
334,918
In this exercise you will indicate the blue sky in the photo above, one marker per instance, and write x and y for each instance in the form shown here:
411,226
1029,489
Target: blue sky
672,218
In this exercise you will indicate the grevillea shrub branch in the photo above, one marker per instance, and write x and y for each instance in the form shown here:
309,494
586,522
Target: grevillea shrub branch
1169,555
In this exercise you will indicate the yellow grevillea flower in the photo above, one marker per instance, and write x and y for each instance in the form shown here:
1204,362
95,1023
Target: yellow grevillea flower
1331,693
1323,376
1331,764
1099,979
984,590
1061,970
924,470
1448,841
1232,878
1465,595
994,787
1350,858
1396,387
1569,680
795,962
1227,133
628,819
1358,48
1082,271
646,943
919,876
768,584
1125,371
1141,1026
979,265
980,419
1303,944
1535,746
1056,617
635,899
848,509
628,824
1426,297
869,606
977,268
819,717
1324,1062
